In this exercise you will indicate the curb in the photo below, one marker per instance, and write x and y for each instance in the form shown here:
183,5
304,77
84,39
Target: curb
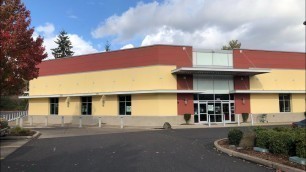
36,135
255,159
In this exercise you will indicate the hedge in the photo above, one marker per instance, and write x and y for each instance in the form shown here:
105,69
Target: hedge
282,140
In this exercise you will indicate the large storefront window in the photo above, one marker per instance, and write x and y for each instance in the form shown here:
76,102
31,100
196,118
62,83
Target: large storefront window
125,105
86,105
284,103
53,106
212,107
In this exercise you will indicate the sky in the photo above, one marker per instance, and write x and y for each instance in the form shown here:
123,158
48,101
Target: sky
205,24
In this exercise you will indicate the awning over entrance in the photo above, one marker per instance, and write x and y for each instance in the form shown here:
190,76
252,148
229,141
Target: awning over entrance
220,71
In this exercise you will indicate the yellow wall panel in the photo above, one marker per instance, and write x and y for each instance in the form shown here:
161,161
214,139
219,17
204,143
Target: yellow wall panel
39,106
264,103
279,80
109,107
298,103
154,105
129,79
74,107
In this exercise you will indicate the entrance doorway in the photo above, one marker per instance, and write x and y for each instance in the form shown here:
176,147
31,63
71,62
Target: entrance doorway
212,107
200,112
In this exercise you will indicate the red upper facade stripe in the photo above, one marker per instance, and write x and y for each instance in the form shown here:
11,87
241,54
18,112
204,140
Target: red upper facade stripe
268,59
143,56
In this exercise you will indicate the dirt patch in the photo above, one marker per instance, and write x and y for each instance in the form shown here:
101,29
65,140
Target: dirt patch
267,156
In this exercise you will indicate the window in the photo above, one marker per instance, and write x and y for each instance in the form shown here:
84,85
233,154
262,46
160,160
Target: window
125,105
86,105
53,106
284,103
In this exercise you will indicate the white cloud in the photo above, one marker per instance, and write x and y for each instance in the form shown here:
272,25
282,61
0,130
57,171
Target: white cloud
80,46
127,46
260,24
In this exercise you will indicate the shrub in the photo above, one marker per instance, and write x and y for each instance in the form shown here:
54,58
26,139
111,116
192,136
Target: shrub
258,129
187,117
301,148
234,136
263,138
282,129
3,123
245,117
18,131
282,143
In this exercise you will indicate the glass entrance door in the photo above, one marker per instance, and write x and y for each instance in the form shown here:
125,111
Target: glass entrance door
202,112
226,112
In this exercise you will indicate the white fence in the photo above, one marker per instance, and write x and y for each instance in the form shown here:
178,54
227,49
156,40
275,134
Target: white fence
13,115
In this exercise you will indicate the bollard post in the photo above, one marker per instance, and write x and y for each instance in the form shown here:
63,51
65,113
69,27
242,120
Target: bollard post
46,121
223,116
238,119
252,120
121,121
17,121
21,122
31,120
62,122
100,121
209,120
80,125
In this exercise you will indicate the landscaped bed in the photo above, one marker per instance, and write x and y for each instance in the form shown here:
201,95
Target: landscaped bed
282,159
277,145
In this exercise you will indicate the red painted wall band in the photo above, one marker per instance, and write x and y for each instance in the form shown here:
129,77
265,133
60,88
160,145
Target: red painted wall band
268,59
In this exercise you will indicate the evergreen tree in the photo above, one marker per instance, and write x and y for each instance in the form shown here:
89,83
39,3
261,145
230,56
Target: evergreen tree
231,45
64,46
107,46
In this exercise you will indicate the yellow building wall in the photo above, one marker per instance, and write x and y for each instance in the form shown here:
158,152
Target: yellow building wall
279,79
74,107
269,103
264,103
154,105
129,79
39,106
298,103
110,107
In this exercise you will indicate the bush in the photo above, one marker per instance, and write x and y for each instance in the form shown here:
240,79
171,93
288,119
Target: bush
245,117
282,129
234,136
301,148
3,123
282,143
263,137
187,117
18,131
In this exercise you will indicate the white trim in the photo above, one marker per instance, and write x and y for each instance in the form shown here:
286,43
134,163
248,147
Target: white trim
210,69
113,93
268,91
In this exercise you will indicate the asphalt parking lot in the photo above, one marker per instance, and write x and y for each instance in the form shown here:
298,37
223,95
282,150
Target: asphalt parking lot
125,150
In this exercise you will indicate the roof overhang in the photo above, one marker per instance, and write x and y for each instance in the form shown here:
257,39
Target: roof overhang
112,93
269,91
220,71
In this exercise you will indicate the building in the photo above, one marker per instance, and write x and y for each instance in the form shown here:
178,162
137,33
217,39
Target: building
154,84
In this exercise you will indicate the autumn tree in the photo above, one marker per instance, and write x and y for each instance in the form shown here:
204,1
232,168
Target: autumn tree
231,45
20,52
64,46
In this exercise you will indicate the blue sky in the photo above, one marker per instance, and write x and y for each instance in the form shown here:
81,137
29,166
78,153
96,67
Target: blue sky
207,24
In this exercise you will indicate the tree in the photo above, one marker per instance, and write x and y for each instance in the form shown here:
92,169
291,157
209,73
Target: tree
107,46
20,53
64,46
231,45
